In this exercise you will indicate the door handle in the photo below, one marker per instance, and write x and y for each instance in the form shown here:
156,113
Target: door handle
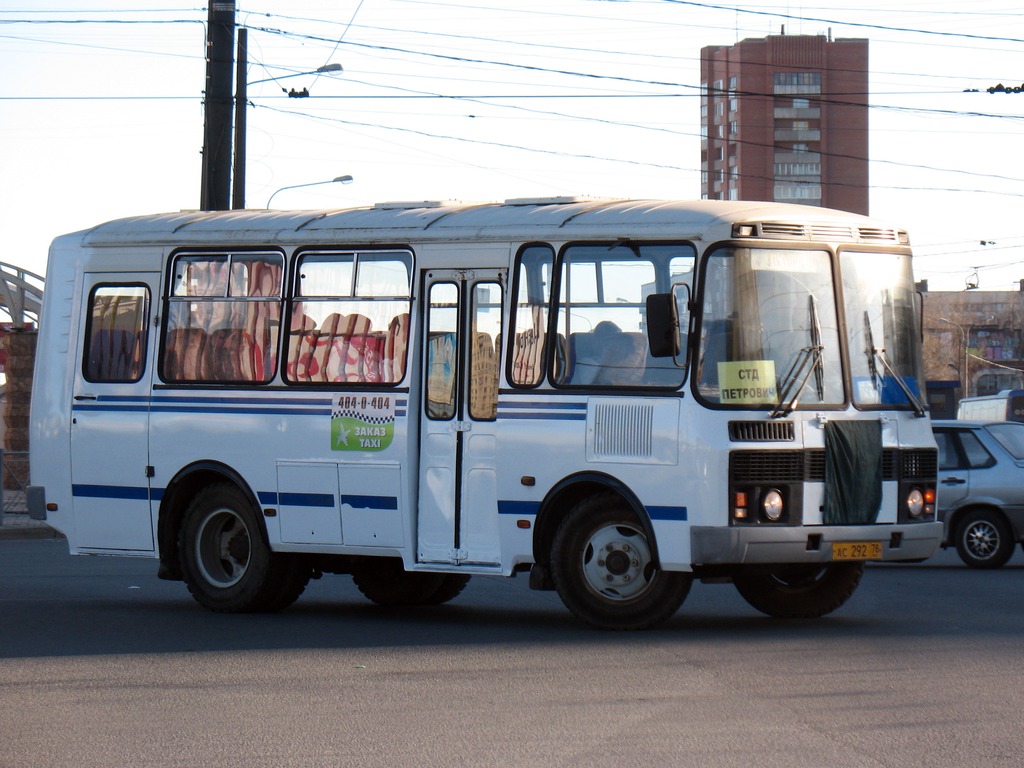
953,481
85,397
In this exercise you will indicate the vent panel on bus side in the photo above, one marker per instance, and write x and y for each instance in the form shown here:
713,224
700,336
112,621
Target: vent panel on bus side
625,431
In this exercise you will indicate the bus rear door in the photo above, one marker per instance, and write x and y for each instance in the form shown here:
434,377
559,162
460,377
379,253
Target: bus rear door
458,504
110,413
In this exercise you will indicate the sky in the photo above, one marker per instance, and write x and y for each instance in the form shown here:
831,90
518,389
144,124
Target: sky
101,109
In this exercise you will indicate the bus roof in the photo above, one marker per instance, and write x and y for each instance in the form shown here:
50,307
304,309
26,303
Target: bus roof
524,219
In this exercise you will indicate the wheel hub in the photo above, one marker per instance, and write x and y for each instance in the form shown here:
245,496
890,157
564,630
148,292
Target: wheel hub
981,540
617,564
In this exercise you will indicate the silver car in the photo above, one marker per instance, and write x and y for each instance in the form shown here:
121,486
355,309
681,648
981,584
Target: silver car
981,488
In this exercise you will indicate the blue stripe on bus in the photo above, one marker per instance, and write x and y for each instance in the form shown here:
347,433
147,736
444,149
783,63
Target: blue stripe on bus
511,507
134,493
267,406
293,499
542,404
667,513
525,508
542,410
369,502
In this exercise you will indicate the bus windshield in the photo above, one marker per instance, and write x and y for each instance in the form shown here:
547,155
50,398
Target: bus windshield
881,319
769,331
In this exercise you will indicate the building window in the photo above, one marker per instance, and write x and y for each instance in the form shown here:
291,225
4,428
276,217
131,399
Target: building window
800,192
797,169
797,82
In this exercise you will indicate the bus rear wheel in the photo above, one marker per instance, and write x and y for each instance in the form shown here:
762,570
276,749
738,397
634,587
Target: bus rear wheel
799,591
603,568
386,582
225,561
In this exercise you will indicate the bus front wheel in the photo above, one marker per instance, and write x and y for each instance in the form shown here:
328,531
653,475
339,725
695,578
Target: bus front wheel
604,570
225,560
799,591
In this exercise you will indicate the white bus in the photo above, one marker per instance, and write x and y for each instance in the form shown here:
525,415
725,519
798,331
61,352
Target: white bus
616,397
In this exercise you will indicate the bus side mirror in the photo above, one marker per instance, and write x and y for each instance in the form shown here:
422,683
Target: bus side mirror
662,325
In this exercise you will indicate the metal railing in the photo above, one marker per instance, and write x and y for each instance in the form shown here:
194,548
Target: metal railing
13,473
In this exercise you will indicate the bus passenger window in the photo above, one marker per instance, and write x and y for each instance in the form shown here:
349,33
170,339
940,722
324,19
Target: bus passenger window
115,342
533,294
350,318
442,351
223,318
483,361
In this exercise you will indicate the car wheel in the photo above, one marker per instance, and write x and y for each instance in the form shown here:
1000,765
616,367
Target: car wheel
983,539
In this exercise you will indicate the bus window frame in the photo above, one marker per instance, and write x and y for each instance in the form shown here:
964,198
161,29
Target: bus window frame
168,298
663,282
144,332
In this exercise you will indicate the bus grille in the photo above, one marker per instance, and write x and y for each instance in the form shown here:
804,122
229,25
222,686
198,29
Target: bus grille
809,465
761,431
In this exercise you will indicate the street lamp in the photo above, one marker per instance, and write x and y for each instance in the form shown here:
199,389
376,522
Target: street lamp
967,362
242,100
346,179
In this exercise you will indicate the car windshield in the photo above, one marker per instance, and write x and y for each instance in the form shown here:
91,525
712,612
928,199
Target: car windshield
1010,436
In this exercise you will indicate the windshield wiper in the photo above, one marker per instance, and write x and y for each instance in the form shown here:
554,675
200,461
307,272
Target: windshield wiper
808,359
878,353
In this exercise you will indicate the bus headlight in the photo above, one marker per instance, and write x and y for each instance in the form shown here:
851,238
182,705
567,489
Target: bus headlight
772,505
915,502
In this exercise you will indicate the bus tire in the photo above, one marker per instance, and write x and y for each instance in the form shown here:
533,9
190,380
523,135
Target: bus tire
225,561
604,571
799,591
385,581
451,587
984,539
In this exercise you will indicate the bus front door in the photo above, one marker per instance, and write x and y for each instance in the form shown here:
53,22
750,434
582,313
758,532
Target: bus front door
110,414
457,519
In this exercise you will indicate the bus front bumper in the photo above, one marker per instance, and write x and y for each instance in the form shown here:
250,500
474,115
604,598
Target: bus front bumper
811,544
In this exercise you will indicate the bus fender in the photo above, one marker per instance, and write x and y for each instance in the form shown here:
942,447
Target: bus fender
556,504
182,487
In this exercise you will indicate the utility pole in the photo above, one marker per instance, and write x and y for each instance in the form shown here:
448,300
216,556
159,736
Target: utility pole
220,49
241,104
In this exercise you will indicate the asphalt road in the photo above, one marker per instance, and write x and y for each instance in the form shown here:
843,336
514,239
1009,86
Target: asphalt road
101,664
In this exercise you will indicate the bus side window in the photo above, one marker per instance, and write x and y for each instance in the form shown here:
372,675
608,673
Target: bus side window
116,337
530,321
223,318
483,360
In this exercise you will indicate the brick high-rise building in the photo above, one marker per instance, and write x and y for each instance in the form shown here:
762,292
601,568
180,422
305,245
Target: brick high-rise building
785,118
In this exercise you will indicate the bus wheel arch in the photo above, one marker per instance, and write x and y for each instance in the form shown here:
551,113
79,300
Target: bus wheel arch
177,496
569,492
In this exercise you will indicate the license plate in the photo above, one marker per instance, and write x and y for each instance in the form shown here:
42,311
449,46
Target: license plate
857,550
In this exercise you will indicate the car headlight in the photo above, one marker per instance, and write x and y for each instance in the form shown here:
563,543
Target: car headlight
772,505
